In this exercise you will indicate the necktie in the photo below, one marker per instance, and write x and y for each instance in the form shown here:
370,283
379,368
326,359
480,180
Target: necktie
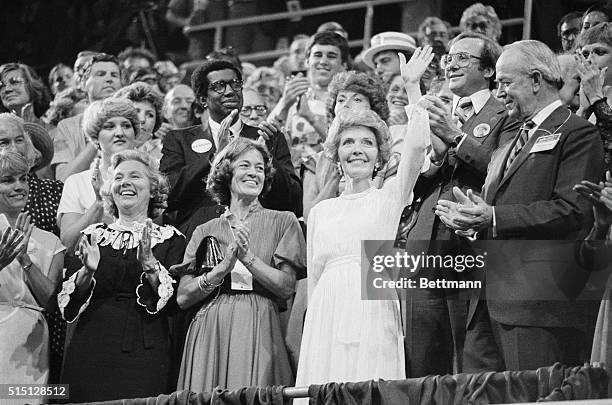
464,110
523,137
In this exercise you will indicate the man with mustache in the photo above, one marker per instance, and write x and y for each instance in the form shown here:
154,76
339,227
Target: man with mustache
73,153
466,132
188,152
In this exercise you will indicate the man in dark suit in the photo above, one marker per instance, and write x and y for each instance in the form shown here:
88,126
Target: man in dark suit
528,195
187,153
467,132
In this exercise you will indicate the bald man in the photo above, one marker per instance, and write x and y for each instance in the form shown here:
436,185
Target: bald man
177,104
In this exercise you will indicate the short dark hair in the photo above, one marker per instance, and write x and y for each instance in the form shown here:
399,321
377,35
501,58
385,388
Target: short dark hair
140,92
367,85
38,92
331,38
98,57
568,17
220,177
199,79
491,51
131,52
227,53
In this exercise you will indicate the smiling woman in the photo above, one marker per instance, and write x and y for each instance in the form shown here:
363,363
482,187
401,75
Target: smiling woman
112,126
23,92
123,294
240,296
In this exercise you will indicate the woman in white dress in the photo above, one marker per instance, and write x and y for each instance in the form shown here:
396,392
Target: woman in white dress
31,262
346,338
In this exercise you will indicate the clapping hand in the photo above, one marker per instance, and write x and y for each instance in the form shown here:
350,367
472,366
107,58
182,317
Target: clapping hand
267,130
89,253
96,178
242,234
601,197
10,246
25,226
442,123
294,89
145,251
470,212
224,128
413,70
591,78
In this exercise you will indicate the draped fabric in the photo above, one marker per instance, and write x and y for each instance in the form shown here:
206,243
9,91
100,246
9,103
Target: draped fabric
554,383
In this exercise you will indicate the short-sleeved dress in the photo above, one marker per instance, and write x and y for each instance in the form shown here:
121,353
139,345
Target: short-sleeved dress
121,344
24,337
235,339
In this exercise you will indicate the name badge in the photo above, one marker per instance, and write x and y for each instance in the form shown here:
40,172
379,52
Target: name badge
201,145
546,142
242,279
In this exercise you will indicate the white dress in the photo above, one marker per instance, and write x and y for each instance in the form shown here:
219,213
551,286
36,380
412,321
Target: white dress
24,336
346,338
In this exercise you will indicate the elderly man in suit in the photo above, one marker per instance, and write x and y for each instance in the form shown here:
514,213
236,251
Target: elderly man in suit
467,133
528,195
188,152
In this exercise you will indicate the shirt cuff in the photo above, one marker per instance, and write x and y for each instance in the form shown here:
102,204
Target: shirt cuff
494,224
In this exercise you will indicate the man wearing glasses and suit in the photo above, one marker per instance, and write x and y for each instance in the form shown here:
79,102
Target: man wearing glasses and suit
187,153
466,133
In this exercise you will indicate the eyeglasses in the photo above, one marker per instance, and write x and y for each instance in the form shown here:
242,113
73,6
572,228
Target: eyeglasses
12,82
462,59
220,86
248,109
478,26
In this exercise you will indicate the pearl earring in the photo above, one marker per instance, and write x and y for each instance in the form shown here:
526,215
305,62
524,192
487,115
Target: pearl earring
339,168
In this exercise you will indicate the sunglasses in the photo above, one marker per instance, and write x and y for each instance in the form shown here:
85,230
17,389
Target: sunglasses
220,85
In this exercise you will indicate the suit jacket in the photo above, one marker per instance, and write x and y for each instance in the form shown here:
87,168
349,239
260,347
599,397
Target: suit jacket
534,201
466,167
187,171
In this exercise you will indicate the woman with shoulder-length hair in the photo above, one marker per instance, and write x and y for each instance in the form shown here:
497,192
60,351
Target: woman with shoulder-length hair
113,126
123,293
235,339
31,262
23,92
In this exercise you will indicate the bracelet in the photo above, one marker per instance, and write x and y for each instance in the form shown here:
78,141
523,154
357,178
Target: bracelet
250,262
156,267
27,267
206,285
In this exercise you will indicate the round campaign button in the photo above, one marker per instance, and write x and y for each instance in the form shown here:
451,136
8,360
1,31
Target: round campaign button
482,130
201,145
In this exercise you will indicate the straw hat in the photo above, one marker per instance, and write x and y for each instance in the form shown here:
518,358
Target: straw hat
42,142
388,41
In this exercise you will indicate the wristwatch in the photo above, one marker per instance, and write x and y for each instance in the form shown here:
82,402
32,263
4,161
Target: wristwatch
439,162
457,139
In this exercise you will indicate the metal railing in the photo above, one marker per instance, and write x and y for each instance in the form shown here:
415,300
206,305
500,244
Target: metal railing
369,5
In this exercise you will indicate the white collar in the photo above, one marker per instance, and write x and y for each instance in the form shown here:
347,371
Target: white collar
479,99
541,115
215,126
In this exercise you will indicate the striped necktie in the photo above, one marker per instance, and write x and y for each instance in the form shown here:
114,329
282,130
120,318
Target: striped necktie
464,110
523,137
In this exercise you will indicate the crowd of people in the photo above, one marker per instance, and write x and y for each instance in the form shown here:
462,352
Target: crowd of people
160,232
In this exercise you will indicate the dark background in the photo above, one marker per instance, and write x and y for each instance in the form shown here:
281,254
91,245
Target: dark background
42,33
